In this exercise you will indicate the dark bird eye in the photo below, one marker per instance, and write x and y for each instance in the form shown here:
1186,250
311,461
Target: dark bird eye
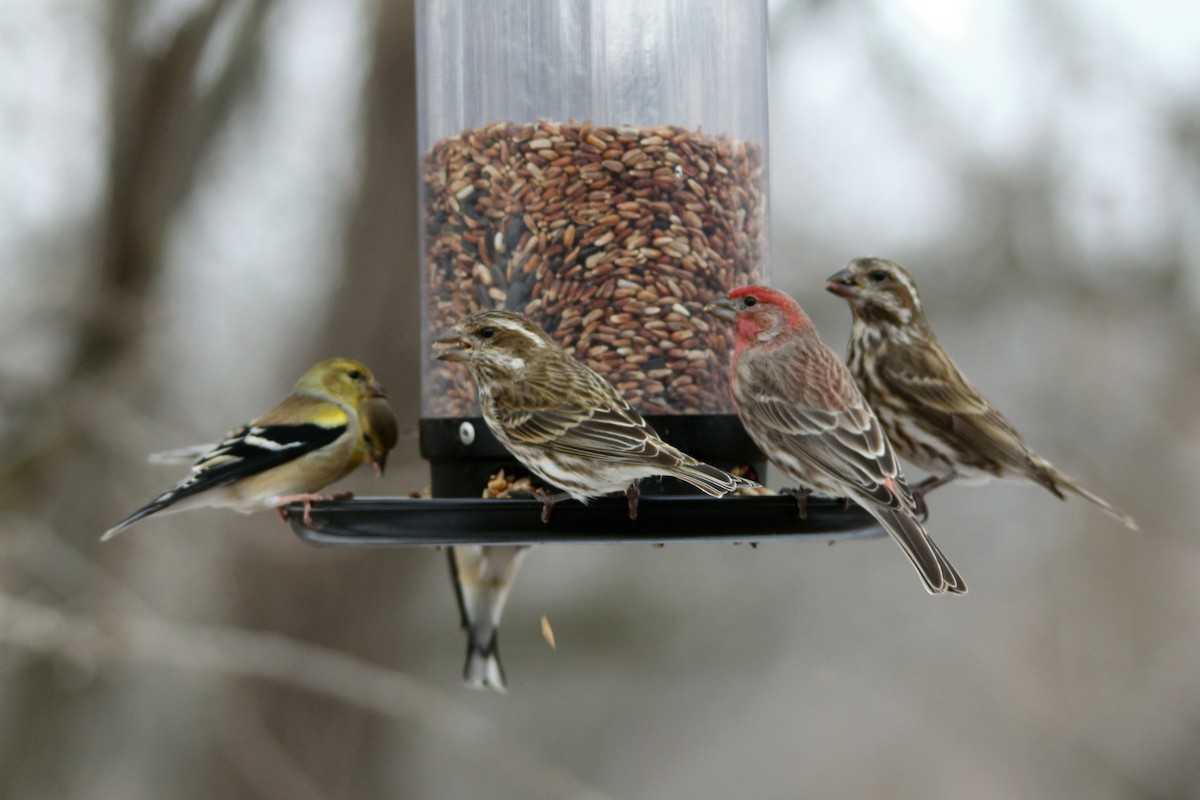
487,333
878,275
355,375
750,301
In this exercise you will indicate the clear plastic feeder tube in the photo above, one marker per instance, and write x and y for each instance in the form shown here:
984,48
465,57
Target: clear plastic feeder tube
599,165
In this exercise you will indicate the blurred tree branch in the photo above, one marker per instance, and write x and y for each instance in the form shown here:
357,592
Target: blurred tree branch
375,314
232,652
163,125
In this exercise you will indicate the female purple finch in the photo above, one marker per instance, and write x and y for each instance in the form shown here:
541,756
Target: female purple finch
570,428
563,421
933,415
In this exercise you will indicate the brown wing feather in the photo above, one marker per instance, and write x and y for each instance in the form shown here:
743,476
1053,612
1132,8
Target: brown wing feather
941,395
845,443
561,402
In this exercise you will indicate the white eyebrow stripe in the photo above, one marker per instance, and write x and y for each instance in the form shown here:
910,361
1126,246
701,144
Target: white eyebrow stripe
517,327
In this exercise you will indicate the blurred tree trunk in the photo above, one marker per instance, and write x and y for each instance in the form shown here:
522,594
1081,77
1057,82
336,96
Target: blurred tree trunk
373,316
161,128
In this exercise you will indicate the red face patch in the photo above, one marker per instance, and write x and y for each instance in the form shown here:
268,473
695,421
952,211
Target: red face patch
747,328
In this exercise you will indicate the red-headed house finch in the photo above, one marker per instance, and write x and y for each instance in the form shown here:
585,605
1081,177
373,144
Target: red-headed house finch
563,421
799,404
483,577
934,417
309,440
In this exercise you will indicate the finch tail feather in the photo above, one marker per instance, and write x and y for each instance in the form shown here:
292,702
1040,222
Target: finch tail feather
482,582
709,479
483,669
158,504
954,582
935,570
1065,481
180,497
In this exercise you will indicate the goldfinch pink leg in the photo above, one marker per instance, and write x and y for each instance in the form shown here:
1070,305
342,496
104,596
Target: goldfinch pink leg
308,500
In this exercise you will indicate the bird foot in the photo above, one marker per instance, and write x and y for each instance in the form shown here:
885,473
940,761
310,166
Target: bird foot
308,499
548,499
801,496
920,508
925,487
632,494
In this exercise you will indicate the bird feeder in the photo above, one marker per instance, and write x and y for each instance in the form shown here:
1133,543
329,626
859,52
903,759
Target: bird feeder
600,166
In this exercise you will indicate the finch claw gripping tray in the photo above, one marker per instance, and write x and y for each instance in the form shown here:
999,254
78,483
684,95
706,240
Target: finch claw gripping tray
600,167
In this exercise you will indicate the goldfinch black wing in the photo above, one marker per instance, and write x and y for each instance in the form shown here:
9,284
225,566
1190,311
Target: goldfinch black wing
249,450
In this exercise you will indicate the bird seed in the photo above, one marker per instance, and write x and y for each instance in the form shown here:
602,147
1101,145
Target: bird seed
611,238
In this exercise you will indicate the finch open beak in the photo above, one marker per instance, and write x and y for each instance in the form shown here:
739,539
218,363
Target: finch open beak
843,284
723,309
451,348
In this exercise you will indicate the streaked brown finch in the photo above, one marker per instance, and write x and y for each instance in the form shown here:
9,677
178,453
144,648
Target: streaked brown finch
561,419
933,415
571,429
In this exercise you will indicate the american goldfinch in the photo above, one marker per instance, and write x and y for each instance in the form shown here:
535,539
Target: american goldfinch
380,432
289,454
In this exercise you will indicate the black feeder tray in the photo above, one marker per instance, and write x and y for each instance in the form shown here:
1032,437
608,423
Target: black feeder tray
463,454
378,521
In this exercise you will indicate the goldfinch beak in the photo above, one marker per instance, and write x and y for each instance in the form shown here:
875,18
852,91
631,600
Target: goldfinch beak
451,348
842,283
379,464
374,389
723,309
